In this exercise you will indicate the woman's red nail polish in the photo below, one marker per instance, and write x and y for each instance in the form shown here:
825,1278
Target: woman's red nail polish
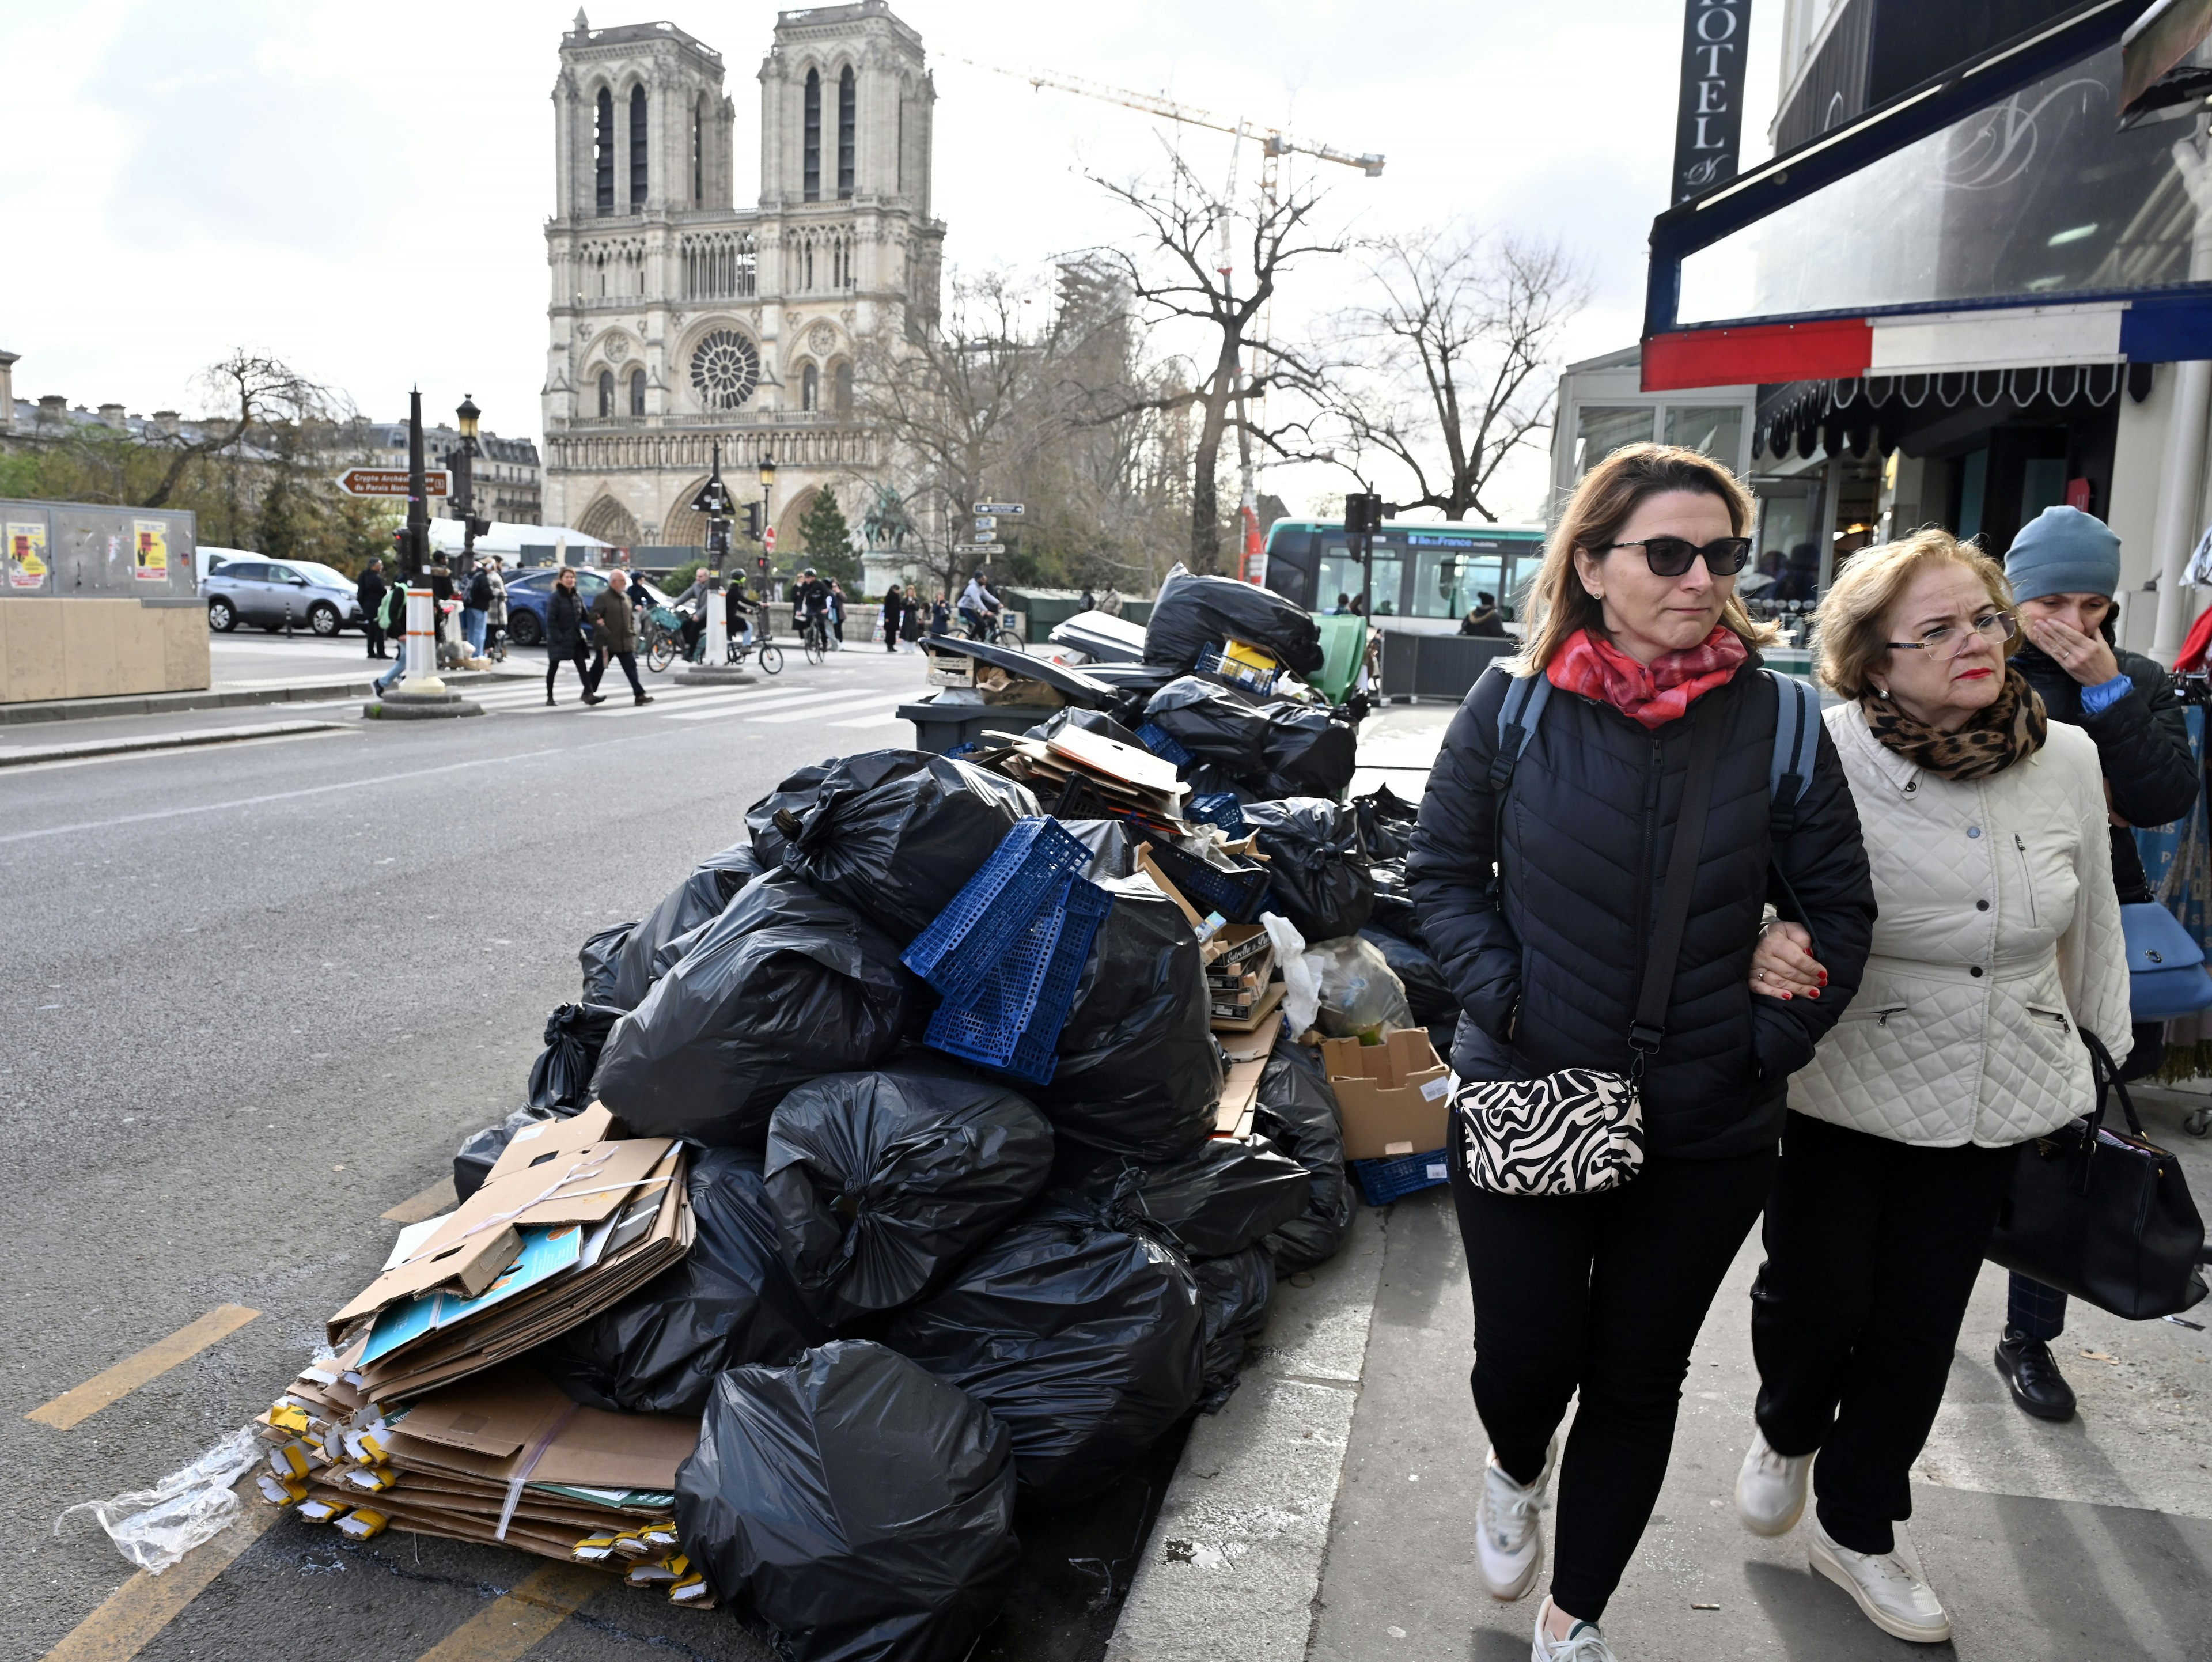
1811,992
1785,998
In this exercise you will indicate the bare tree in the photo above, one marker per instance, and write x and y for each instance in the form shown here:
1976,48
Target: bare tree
1178,276
1456,354
247,390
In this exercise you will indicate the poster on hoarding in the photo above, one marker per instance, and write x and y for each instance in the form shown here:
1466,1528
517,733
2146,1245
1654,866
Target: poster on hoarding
151,560
26,554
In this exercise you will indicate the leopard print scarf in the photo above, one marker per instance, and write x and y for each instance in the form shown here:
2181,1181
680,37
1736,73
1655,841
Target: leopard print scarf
1992,740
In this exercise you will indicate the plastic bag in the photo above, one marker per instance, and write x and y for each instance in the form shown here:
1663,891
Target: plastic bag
1219,1200
598,958
882,1182
731,1301
1080,1330
1360,996
795,795
1386,823
1233,1294
1191,613
896,834
860,1507
1112,853
1306,751
1301,981
474,1159
785,986
152,1528
1319,879
561,1078
697,900
1138,1071
1297,1113
1428,994
1215,725
1394,901
1089,721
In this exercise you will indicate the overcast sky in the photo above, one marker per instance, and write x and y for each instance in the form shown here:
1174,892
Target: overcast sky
362,192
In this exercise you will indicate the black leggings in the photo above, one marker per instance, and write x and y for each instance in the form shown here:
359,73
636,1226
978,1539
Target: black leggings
1872,1250
1600,1296
557,656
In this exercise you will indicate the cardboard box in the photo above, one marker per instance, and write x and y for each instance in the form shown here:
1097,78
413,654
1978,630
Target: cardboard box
1395,1096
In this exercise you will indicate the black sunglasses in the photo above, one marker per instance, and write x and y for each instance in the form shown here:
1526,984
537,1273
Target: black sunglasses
1670,557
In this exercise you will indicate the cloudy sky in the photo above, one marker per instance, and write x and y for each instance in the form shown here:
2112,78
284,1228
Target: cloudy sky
362,190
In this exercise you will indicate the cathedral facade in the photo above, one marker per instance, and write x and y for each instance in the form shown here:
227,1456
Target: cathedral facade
678,320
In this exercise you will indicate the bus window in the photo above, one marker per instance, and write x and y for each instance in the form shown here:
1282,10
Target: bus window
1445,582
1340,574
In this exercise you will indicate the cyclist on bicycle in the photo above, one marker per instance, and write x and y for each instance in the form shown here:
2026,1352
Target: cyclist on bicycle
979,607
811,600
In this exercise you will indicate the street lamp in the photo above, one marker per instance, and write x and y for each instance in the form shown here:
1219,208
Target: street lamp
465,489
767,533
713,500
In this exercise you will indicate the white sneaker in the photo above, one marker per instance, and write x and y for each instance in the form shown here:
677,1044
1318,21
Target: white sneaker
1770,1490
1583,1642
1890,1588
1509,1536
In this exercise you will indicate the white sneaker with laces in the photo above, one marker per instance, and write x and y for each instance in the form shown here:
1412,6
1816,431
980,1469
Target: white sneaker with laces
1890,1588
1509,1537
1770,1490
1583,1642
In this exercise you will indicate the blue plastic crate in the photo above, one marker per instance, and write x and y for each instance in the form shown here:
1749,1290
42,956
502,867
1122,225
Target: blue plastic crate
1219,808
1157,739
1239,895
968,749
1385,1180
1013,1019
1212,661
965,941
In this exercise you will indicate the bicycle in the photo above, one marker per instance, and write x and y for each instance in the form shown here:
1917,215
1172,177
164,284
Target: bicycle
814,637
662,638
992,629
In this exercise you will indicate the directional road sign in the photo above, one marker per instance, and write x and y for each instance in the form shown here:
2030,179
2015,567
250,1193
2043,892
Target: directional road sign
1013,508
977,548
987,522
393,482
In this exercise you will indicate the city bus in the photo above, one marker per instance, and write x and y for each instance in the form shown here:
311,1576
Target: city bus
1426,576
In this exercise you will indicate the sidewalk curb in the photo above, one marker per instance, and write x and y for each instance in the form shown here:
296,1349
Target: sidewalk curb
1235,1556
90,747
167,703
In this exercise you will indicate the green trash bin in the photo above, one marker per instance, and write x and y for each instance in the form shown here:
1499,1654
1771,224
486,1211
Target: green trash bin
1343,639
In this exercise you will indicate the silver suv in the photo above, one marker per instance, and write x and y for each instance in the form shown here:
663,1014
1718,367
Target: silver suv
271,593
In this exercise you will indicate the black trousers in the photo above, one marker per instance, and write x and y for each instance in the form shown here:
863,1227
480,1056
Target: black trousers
1600,1295
626,660
556,656
1872,1249
375,633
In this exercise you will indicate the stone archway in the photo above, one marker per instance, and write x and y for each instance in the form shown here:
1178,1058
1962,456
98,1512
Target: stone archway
610,522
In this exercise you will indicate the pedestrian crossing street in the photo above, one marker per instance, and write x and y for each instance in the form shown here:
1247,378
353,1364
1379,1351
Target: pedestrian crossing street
769,703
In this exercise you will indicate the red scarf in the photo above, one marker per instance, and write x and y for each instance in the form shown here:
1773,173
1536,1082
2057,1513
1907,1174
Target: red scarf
1655,693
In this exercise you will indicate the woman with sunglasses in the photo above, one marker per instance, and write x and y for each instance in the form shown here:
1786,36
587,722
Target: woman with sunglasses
1998,946
1538,900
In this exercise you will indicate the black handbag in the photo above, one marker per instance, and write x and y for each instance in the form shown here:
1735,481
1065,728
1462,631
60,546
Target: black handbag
2102,1214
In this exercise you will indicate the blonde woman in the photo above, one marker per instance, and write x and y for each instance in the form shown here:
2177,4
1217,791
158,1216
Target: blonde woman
1998,945
1538,900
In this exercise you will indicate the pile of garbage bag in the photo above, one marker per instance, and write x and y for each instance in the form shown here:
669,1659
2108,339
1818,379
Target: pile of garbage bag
1192,612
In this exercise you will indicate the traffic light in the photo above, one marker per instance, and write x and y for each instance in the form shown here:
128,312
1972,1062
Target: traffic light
753,521
763,563
1363,513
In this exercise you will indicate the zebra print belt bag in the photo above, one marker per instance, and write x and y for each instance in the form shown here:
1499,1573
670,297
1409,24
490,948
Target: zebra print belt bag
1580,1130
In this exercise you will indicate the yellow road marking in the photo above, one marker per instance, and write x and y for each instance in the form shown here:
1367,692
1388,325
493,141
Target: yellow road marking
145,1604
438,1198
507,1627
155,1360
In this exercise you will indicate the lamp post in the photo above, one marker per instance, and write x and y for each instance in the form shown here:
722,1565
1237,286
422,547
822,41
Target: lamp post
768,529
713,500
465,484
420,693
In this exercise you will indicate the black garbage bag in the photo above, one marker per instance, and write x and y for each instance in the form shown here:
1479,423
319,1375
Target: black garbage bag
474,1159
1219,1200
1089,721
1138,1071
1191,613
1428,994
1297,1113
1307,752
1214,724
883,1183
1112,854
785,986
1211,779
1079,1328
795,795
1318,877
648,952
1386,823
1233,1294
1393,911
730,1302
858,1505
598,958
896,834
575,1036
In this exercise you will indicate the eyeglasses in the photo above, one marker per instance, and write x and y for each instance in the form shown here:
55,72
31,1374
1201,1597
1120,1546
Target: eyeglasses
1671,557
1991,626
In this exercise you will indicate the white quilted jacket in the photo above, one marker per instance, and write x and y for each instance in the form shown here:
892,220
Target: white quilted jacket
1999,931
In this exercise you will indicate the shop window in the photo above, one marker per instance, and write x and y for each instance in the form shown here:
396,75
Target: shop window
1715,428
1602,429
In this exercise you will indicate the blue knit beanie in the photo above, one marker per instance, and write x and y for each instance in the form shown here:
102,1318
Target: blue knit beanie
2064,550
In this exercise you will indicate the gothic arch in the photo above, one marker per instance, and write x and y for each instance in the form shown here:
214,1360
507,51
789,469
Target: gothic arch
610,521
679,526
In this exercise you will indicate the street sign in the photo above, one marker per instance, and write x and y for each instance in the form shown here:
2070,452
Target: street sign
977,548
987,522
393,482
1014,508
768,539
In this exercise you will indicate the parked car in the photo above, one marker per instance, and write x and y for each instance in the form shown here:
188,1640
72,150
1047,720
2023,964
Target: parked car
270,593
527,591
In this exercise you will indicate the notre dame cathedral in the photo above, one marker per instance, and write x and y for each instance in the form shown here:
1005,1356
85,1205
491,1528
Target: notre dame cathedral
679,319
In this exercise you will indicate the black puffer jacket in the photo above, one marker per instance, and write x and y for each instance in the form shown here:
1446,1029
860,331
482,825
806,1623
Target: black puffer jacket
2142,747
1589,827
564,620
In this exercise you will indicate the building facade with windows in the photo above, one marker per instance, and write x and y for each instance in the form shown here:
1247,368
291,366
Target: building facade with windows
680,321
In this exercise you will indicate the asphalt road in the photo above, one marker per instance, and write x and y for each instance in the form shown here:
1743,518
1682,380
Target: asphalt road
259,993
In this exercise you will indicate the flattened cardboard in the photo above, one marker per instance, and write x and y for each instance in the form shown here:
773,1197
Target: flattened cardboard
1239,1093
534,1144
1391,1092
1262,1007
515,1406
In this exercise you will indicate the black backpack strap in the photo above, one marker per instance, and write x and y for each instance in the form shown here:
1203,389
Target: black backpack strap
1649,1025
1796,747
1517,716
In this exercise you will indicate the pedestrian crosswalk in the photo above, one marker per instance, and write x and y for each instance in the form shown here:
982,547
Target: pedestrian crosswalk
844,702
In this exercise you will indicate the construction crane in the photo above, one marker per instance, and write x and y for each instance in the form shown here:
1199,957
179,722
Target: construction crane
1274,144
